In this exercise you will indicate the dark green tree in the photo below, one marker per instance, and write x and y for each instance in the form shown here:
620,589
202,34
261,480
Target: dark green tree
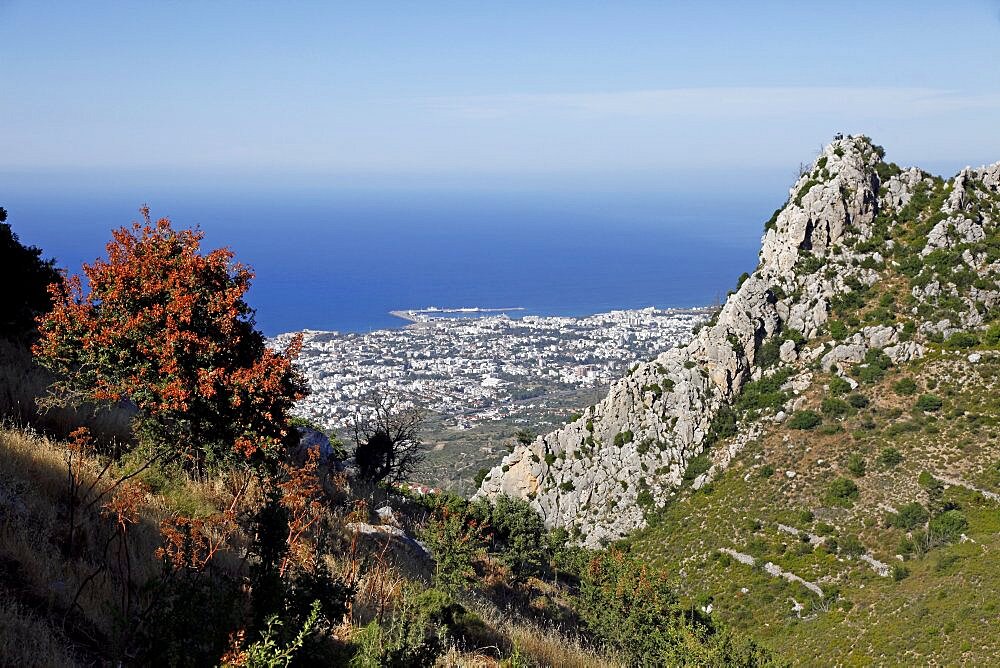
26,278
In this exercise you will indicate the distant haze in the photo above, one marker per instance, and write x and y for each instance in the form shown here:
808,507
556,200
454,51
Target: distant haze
486,95
569,157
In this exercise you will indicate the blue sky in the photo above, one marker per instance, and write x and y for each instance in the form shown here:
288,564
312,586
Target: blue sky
482,94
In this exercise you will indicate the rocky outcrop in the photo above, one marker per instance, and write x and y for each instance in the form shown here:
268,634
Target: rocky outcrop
599,474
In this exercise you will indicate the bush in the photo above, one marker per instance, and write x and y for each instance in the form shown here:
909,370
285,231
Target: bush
723,426
948,526
623,437
804,419
960,340
697,466
899,572
839,386
166,326
929,403
518,537
835,407
909,517
633,609
851,546
991,336
905,387
856,464
838,330
890,457
842,492
526,436
765,393
857,401
873,367
455,538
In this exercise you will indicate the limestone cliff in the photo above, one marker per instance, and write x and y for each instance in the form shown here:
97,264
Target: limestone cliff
841,231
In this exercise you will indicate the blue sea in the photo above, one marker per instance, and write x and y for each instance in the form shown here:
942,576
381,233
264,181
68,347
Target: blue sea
342,261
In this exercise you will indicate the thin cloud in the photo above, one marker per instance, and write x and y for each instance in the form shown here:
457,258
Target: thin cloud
719,103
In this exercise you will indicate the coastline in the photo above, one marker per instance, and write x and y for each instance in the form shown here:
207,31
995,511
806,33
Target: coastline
437,314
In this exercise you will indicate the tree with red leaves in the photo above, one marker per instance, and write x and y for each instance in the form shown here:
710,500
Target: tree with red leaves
166,327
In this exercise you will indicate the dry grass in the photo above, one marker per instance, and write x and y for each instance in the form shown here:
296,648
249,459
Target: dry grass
22,383
28,640
39,582
82,587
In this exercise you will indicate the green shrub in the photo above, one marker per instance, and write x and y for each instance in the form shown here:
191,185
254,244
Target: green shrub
873,367
723,426
857,401
403,639
948,526
518,538
653,388
697,466
550,458
929,403
769,353
526,436
269,650
633,609
842,492
899,572
838,330
824,529
804,419
765,393
991,337
851,546
890,457
960,340
856,464
806,187
910,517
644,499
567,486
835,407
839,386
621,438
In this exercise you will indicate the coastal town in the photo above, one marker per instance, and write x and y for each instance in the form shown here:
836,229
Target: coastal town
472,370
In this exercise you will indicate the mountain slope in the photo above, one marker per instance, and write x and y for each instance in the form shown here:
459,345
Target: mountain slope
865,266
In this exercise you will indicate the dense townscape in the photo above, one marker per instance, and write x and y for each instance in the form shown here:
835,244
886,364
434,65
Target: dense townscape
486,368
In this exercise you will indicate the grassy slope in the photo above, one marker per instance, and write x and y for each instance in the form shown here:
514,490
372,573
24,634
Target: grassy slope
38,581
942,611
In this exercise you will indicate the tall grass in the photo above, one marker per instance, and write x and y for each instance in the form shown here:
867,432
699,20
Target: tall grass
23,383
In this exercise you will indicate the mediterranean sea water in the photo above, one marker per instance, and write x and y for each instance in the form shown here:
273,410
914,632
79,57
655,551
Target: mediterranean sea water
343,261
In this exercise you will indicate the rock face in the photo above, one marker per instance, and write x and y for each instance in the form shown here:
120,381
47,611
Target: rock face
599,474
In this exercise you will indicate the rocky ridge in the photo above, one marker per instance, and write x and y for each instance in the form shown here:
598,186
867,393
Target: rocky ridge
849,223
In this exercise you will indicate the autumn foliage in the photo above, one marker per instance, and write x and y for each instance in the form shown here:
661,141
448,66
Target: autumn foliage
165,327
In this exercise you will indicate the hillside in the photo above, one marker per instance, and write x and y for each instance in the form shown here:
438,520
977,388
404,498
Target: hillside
862,257
821,465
